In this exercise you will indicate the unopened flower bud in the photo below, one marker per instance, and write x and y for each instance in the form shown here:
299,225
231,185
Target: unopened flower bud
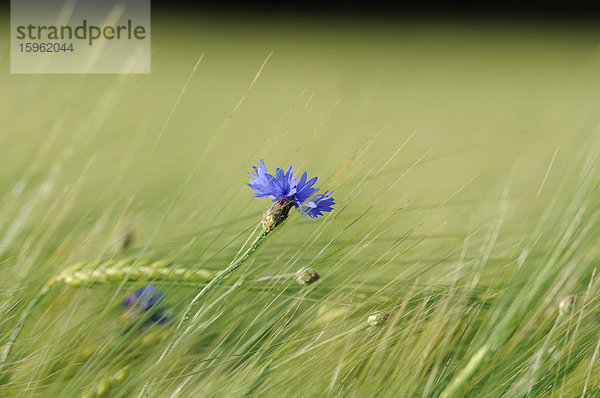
566,304
378,318
307,276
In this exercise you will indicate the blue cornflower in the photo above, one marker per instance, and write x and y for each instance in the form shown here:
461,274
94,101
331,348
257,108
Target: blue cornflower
142,300
318,205
304,189
261,181
284,185
287,191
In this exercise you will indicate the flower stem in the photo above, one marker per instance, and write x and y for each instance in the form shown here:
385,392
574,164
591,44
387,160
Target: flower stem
219,277
222,275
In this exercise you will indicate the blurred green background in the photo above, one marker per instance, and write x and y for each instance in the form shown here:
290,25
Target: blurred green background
485,100
479,110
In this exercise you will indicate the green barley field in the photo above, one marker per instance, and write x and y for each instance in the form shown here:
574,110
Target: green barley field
465,163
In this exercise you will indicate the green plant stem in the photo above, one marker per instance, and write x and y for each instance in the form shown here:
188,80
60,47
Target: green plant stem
222,275
17,329
465,373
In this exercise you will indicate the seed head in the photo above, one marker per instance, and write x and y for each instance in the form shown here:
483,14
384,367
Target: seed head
378,318
307,276
123,239
566,305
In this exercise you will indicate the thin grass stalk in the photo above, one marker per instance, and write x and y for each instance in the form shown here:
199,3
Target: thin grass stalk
15,333
266,229
222,275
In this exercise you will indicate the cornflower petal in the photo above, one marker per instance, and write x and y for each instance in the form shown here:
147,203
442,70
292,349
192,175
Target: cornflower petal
261,181
318,205
304,189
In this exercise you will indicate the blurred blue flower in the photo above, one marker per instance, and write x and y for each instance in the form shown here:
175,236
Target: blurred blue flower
144,299
288,191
